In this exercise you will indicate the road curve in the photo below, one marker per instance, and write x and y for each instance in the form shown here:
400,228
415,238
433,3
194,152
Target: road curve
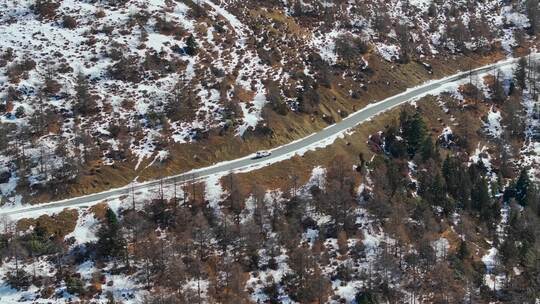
279,153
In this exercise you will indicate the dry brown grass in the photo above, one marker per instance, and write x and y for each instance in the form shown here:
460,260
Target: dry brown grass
278,176
286,23
60,224
99,210
388,79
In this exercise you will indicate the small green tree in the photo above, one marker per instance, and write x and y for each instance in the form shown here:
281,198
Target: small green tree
414,131
350,48
74,285
111,242
458,181
463,251
428,149
392,145
483,203
19,112
523,187
432,189
191,46
275,100
480,195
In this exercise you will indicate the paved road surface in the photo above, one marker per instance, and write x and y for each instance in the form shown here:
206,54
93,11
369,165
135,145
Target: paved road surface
277,153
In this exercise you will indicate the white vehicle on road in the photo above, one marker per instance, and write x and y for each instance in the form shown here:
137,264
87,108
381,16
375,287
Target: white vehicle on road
261,154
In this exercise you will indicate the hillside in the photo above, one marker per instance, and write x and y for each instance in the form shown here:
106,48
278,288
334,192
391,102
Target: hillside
96,94
434,201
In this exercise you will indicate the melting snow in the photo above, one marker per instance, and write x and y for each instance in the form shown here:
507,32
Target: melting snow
389,52
493,124
86,228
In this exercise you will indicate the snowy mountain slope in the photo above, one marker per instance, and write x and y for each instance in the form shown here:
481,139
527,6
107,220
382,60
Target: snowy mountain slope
437,203
406,245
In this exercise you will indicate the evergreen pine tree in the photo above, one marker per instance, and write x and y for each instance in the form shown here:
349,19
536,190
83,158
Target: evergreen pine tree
463,251
111,242
480,195
522,188
508,251
432,189
458,182
191,46
474,174
428,149
498,94
396,148
414,131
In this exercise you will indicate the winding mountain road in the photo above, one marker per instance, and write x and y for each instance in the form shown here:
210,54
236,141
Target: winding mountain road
280,153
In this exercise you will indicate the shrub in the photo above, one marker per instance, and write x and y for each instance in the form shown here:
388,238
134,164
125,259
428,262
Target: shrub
14,73
218,72
116,2
17,70
46,8
13,94
8,55
191,46
349,47
274,97
100,13
126,69
270,57
141,18
64,68
196,10
115,51
19,112
28,64
69,22
47,292
39,245
84,101
154,118
74,286
18,279
108,29
5,131
156,63
262,130
231,110
309,99
51,86
168,27
116,130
